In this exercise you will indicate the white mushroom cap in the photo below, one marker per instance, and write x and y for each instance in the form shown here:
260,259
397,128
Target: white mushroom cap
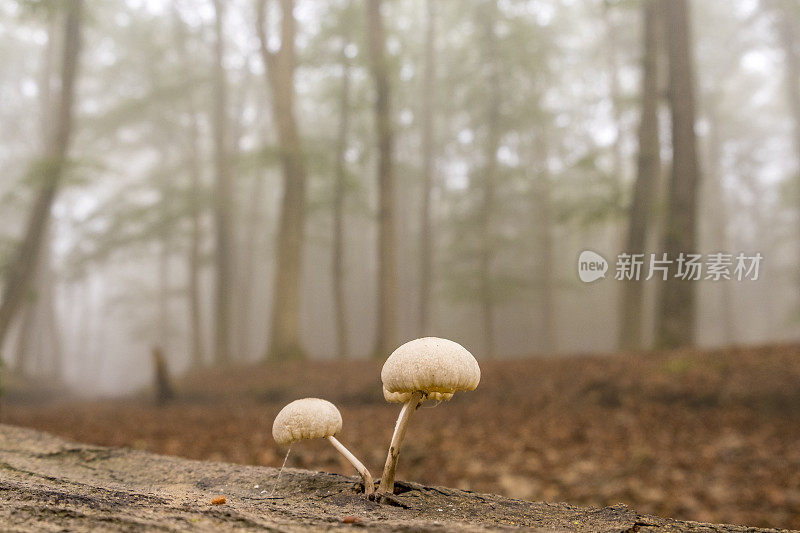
403,397
309,418
438,367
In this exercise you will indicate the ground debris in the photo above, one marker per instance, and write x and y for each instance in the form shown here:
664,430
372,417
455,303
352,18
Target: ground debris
138,491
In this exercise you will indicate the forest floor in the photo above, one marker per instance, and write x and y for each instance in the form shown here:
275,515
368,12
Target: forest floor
49,484
712,436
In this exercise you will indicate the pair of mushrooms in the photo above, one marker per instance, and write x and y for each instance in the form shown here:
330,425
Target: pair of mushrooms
423,369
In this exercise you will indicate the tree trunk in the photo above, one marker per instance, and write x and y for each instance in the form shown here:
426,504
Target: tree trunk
428,158
678,300
387,275
46,85
49,314
648,169
547,282
339,194
48,172
245,227
790,42
253,229
285,330
224,197
716,202
38,348
193,159
162,328
614,92
195,246
488,184
85,320
28,311
22,350
164,393
45,298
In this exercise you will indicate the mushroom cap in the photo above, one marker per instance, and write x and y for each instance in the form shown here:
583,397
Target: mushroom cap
403,397
438,367
308,418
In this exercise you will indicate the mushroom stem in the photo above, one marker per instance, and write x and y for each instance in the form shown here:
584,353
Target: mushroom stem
387,479
369,486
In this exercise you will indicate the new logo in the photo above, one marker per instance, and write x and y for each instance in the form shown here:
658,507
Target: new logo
591,266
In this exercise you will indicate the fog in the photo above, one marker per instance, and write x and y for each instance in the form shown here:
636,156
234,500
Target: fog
509,141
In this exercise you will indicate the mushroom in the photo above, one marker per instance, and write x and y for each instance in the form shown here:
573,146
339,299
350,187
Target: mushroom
426,368
313,418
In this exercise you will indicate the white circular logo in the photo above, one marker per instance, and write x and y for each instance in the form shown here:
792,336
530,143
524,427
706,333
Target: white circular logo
591,266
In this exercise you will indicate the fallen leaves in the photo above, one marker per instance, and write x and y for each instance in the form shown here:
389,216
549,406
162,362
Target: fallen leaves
700,435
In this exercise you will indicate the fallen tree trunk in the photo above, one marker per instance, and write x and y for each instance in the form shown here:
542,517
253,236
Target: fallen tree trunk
48,483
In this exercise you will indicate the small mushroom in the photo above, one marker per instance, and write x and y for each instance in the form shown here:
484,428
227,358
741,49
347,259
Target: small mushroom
422,369
313,418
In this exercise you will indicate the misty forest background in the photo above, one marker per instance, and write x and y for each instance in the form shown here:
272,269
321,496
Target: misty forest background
250,180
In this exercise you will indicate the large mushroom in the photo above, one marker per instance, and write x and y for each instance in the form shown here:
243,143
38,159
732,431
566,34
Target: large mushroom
422,369
313,418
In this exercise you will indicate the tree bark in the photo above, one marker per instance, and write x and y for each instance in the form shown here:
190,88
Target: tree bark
387,275
676,325
224,197
48,172
339,195
648,169
280,65
428,159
